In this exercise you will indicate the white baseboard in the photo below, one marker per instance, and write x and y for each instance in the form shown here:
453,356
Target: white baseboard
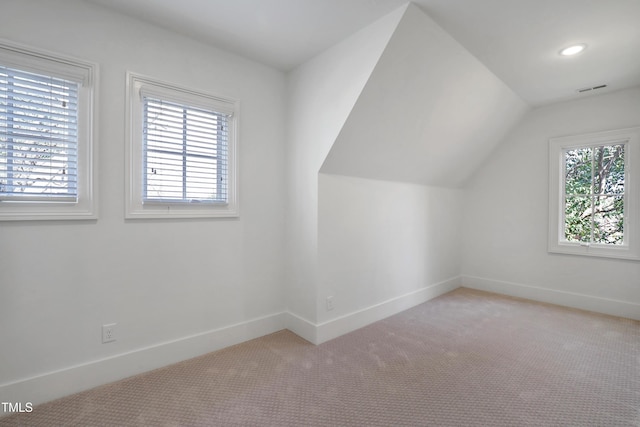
302,327
52,385
350,322
568,299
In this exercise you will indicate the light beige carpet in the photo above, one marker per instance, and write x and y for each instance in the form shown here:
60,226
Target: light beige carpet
467,358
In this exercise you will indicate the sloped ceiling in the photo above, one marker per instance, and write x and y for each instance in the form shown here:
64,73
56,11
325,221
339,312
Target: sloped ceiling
430,112
518,40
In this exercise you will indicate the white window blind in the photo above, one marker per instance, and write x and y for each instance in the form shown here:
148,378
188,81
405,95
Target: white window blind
181,152
38,137
185,153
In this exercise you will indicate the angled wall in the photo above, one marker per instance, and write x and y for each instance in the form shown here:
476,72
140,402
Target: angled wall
429,114
389,207
322,93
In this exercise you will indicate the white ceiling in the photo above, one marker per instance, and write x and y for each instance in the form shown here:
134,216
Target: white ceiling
518,40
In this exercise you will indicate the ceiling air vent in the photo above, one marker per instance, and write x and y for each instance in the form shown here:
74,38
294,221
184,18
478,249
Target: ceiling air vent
589,89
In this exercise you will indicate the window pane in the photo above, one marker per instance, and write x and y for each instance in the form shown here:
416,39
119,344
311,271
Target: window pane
577,224
164,176
609,169
578,171
184,152
38,136
608,220
202,179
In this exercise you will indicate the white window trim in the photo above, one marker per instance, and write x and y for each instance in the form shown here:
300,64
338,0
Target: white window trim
137,84
630,249
86,73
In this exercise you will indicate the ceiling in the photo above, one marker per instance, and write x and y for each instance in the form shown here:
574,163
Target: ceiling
518,40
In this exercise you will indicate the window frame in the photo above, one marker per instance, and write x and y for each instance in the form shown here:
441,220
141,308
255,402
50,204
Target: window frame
25,58
135,207
557,243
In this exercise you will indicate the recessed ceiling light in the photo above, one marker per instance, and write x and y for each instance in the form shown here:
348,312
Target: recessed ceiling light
573,50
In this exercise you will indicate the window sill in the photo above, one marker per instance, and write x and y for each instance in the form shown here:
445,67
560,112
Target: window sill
11,211
618,252
176,210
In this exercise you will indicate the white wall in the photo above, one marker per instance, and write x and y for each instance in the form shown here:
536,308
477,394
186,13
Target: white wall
391,103
321,94
384,243
178,288
172,286
506,215
429,114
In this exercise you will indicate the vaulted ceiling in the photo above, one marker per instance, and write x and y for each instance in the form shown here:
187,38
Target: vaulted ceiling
453,79
430,112
517,40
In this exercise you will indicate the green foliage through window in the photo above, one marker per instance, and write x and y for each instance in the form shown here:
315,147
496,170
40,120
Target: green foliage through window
594,194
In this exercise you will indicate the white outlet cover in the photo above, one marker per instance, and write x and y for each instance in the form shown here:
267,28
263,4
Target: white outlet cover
108,333
330,303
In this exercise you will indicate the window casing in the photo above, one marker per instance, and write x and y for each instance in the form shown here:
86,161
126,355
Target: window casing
594,194
181,152
46,136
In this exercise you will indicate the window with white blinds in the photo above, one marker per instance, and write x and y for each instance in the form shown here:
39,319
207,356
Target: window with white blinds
38,137
184,153
46,135
181,152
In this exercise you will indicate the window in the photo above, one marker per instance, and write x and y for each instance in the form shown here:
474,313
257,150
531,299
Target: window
594,197
46,160
181,152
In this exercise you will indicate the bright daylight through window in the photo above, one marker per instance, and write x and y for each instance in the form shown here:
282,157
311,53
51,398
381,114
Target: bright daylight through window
45,136
185,153
39,142
181,152
593,196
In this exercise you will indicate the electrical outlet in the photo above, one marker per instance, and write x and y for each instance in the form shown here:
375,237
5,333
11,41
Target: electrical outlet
329,303
108,333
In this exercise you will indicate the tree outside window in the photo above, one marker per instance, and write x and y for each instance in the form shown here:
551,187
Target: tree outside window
594,194
594,198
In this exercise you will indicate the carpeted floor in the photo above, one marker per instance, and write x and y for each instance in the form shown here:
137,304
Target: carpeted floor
467,358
